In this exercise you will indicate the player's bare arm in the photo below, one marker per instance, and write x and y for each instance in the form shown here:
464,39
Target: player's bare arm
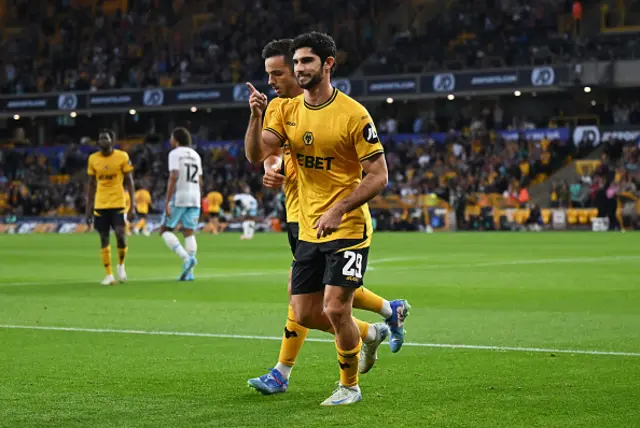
372,184
91,196
259,144
272,179
171,189
131,188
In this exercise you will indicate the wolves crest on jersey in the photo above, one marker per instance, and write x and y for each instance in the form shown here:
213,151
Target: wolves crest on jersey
308,138
328,143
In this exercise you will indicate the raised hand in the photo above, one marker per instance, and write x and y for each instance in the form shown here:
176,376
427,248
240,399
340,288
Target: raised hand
257,101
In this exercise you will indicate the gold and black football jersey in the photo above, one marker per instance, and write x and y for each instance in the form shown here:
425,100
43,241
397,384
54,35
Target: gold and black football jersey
290,183
109,172
328,142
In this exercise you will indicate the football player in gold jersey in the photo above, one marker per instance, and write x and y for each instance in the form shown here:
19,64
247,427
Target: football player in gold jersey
278,64
108,168
143,204
216,219
127,207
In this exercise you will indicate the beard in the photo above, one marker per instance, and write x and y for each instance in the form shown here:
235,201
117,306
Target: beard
104,144
312,83
105,147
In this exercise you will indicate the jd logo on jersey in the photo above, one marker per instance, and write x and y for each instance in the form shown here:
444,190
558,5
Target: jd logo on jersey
369,133
308,138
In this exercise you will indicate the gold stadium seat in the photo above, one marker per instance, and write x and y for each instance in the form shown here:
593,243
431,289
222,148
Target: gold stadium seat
546,215
572,216
521,215
497,215
517,216
59,179
583,216
587,166
472,211
593,213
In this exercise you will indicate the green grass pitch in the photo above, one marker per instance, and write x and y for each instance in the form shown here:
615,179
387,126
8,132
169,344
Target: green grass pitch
554,292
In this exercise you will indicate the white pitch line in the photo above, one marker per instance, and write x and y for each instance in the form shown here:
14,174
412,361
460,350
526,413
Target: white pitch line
559,260
277,338
205,276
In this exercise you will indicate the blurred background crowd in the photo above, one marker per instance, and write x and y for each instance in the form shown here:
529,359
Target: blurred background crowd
109,44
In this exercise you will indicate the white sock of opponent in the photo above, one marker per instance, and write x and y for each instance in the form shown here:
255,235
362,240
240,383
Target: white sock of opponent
173,243
252,228
245,228
191,245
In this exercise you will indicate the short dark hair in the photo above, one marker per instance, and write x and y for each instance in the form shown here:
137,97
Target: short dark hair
110,132
182,136
281,47
320,44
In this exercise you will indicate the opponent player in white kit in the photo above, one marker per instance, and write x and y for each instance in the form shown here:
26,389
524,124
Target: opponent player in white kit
247,208
183,200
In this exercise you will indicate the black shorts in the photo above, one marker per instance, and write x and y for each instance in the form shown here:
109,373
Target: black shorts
106,219
215,214
141,215
329,263
293,230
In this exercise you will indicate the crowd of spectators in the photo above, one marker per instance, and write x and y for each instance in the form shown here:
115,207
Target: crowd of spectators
495,33
62,45
619,166
473,34
159,42
611,184
471,161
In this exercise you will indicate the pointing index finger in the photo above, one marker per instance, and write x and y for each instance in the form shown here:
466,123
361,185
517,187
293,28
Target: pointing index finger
252,88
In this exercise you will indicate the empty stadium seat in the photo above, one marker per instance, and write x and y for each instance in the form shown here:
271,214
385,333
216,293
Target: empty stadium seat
583,216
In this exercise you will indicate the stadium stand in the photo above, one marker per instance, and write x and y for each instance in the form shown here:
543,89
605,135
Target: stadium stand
454,156
86,44
491,34
133,44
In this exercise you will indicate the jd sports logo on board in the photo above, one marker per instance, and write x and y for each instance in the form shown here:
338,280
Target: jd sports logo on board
543,76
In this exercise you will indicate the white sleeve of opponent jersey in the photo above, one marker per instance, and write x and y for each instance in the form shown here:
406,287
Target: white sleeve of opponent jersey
253,202
173,161
246,200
